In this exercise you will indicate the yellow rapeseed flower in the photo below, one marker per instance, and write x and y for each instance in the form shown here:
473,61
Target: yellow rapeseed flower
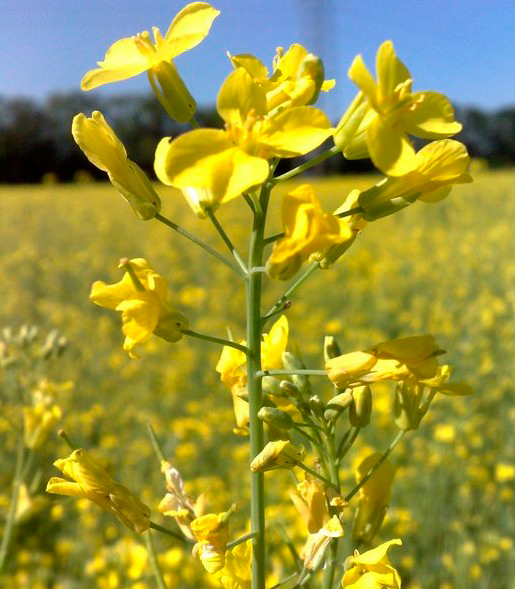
131,56
436,168
297,78
92,482
307,230
104,150
141,297
406,358
237,571
393,113
277,454
212,534
372,569
217,166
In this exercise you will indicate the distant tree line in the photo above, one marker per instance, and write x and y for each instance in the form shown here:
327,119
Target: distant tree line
35,138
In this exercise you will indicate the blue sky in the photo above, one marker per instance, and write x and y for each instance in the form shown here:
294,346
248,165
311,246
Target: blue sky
463,48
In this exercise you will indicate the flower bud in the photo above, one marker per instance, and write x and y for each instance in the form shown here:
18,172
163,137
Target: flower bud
289,389
349,137
172,93
278,454
271,386
316,405
331,348
361,406
301,381
313,67
407,410
275,417
337,405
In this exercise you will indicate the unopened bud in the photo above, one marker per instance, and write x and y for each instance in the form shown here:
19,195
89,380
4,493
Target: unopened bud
331,348
316,405
275,417
360,407
271,385
408,414
289,389
337,405
301,381
172,93
313,67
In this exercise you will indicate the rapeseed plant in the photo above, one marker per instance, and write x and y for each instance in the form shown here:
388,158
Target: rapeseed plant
268,117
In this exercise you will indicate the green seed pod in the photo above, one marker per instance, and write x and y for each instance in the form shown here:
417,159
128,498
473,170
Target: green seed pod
276,417
361,406
331,348
337,405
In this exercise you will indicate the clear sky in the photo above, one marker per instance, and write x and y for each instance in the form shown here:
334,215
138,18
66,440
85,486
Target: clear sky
463,48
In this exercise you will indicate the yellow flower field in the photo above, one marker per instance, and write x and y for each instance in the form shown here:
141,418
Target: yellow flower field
447,270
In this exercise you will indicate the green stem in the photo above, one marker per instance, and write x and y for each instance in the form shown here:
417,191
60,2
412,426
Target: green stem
280,371
254,385
168,532
300,280
348,446
216,340
199,242
303,167
226,239
156,444
332,553
240,540
385,455
342,443
317,475
153,561
13,503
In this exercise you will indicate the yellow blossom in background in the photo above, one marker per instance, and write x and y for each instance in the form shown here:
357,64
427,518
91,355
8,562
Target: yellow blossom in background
141,297
437,167
28,505
297,78
373,497
92,482
38,421
307,230
212,534
406,358
219,165
372,569
278,454
394,112
131,56
105,151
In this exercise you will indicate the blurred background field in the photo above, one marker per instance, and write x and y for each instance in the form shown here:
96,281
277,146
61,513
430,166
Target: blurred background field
446,269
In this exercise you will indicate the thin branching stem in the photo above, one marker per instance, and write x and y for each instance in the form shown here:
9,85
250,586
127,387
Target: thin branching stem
216,340
188,235
227,240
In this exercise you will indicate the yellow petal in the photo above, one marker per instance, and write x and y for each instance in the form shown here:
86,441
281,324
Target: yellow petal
140,314
189,27
431,117
407,348
376,555
99,142
295,132
238,96
61,486
123,60
391,72
111,295
390,150
251,64
444,161
360,75
206,159
435,195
